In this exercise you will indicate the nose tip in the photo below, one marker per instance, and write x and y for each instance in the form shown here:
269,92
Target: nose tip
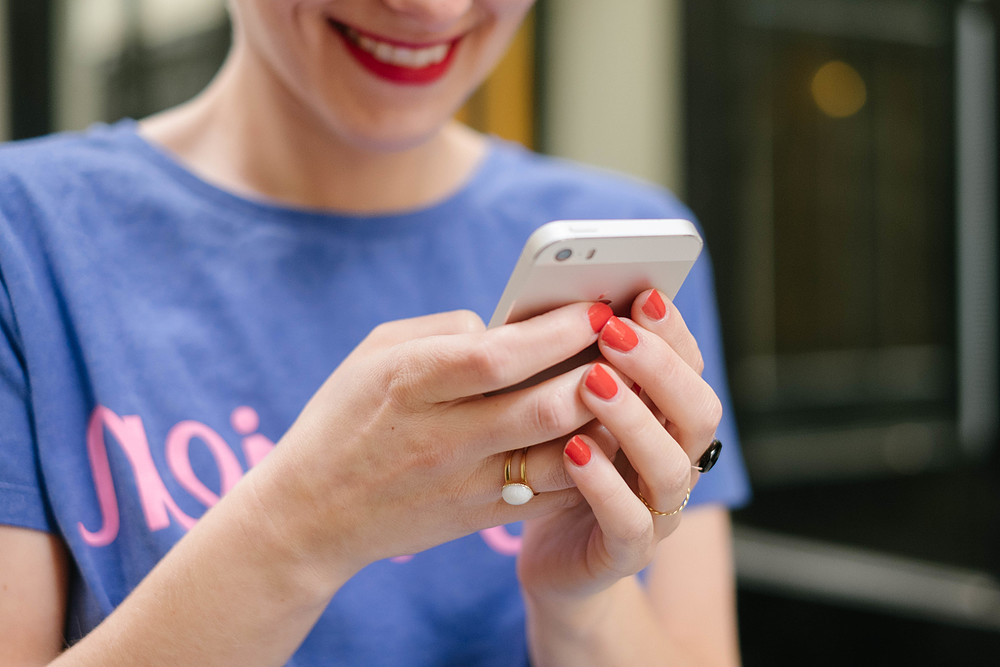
436,12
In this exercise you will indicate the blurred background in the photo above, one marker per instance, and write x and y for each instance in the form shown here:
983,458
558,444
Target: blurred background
842,157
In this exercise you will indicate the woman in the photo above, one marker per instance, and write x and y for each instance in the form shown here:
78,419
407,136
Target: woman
175,290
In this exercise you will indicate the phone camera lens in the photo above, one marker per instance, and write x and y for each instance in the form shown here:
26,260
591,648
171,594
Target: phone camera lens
563,254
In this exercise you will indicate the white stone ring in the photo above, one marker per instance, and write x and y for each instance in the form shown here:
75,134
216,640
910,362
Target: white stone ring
516,493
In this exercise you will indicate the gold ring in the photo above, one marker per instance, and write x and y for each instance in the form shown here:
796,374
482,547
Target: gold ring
516,493
657,512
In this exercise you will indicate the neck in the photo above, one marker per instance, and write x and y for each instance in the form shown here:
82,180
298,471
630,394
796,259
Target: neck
260,142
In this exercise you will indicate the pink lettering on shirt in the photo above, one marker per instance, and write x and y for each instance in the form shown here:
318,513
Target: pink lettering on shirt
179,460
255,446
501,541
157,505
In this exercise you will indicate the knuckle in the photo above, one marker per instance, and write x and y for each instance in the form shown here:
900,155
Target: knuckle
678,473
425,456
703,418
713,412
568,499
636,430
698,361
635,533
486,363
433,459
379,335
673,477
403,377
556,477
550,413
467,321
674,371
635,541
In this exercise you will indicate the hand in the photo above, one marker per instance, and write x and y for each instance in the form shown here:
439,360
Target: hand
400,450
660,431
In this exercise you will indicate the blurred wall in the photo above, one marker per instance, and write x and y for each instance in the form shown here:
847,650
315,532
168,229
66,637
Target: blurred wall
89,35
96,34
611,85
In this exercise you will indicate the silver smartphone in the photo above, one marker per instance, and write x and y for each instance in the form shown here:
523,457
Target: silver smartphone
568,261
597,260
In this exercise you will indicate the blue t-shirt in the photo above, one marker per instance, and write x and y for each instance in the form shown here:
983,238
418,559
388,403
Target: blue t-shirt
158,335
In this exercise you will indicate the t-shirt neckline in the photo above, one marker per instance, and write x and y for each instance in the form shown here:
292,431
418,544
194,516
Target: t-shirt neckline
128,130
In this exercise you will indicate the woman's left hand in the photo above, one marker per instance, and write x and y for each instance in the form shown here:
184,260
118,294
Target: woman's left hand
641,441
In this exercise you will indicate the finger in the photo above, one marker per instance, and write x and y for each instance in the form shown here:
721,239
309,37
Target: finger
544,462
629,532
663,467
691,408
603,488
542,467
512,420
543,472
655,313
501,513
604,438
442,369
398,331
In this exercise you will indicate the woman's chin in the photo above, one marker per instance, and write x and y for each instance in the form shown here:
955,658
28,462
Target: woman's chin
395,136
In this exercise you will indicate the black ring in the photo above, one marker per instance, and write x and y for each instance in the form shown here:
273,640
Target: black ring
709,458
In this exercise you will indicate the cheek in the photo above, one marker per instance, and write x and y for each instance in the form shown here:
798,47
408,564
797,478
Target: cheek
283,35
276,27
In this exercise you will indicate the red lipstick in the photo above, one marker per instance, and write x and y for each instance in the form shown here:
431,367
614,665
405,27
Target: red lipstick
395,61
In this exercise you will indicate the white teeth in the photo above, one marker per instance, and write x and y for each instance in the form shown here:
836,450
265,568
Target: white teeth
383,52
399,55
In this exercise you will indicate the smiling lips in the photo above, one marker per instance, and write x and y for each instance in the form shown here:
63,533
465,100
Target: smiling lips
395,61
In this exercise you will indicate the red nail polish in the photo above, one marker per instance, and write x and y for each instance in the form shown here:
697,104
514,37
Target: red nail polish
601,383
619,335
599,315
654,308
577,451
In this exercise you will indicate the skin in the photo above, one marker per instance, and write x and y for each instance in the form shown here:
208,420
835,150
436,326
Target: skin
418,433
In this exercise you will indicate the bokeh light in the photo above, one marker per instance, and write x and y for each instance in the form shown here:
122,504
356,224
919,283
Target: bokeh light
838,89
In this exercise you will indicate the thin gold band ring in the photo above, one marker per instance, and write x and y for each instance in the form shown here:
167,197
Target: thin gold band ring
657,512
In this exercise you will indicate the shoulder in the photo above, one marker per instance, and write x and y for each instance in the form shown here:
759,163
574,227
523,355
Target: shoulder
524,178
55,165
65,192
66,150
63,187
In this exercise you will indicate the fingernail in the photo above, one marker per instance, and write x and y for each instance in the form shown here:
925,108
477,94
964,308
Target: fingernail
654,308
619,335
601,383
577,451
599,315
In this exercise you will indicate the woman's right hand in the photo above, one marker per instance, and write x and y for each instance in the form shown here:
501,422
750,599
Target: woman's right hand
401,449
